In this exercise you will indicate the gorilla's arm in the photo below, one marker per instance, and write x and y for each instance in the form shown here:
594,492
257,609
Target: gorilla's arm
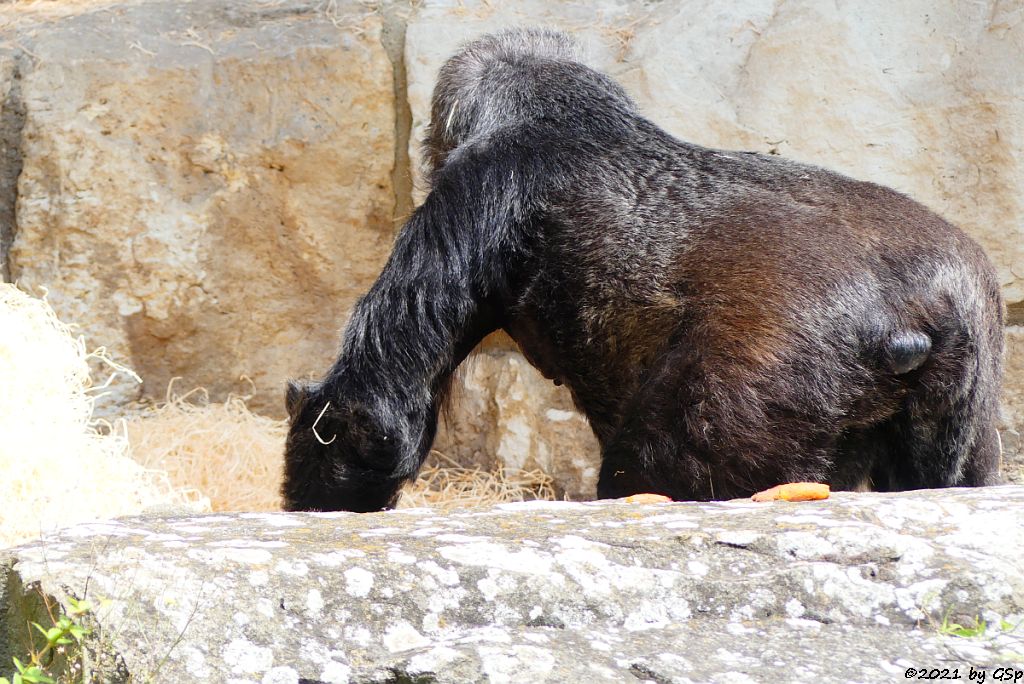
363,430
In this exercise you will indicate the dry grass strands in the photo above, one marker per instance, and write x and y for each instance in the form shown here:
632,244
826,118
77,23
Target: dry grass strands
58,469
224,450
452,486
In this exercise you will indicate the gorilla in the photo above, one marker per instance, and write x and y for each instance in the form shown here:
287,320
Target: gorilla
727,321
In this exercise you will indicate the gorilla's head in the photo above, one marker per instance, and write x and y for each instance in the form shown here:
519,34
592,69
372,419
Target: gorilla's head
335,452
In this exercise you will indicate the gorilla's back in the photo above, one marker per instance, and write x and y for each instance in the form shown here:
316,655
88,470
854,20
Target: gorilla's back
648,240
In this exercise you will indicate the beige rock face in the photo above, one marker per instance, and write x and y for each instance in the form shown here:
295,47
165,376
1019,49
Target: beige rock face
204,192
506,413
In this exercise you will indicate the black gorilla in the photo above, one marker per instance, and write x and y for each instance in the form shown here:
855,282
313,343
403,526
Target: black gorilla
727,321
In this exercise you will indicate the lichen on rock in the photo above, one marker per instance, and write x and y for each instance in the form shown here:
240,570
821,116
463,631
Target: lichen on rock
553,591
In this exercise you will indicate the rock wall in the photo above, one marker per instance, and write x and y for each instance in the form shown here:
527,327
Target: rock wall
178,195
206,187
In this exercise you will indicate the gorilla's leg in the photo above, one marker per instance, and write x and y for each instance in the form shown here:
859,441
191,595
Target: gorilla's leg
694,434
984,463
634,460
945,433
940,444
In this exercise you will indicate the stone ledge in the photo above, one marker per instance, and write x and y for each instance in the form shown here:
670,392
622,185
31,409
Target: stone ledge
852,587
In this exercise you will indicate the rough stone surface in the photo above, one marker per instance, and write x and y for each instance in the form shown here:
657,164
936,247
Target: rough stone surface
855,588
1013,406
205,187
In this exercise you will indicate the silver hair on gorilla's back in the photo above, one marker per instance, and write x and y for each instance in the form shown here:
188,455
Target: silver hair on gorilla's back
482,87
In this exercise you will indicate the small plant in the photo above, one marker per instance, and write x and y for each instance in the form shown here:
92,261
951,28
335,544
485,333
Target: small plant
977,630
66,631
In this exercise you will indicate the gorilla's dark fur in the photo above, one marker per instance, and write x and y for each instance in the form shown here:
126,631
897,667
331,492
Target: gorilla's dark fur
727,321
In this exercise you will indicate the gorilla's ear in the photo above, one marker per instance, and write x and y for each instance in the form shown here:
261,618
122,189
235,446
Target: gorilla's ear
295,397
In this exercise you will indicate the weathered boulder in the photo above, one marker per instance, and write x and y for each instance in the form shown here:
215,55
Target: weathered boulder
856,588
205,188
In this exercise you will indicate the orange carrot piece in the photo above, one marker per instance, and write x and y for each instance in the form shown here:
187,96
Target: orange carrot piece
794,491
647,499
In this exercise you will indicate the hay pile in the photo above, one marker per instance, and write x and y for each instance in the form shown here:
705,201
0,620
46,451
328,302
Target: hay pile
230,454
57,468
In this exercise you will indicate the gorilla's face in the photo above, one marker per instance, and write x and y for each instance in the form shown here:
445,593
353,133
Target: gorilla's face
328,452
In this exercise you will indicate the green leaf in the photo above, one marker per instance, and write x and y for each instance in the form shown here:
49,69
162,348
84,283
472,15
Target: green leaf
5,680
79,607
17,679
17,664
53,634
968,632
34,675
